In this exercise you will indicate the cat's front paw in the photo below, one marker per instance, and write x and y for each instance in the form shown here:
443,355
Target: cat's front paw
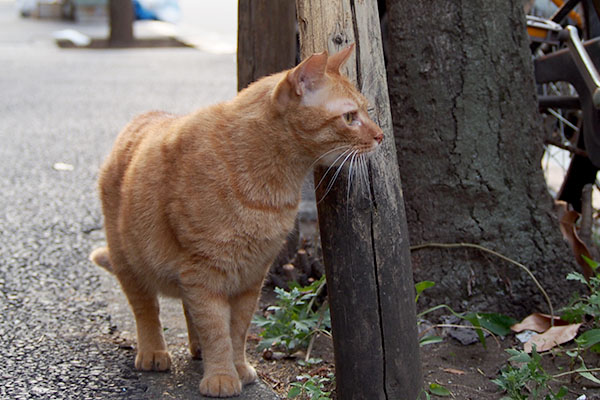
246,372
154,360
220,385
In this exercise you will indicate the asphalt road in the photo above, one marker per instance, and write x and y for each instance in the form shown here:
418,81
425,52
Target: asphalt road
65,328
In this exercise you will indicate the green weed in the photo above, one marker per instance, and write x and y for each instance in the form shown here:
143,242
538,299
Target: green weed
588,305
312,387
294,318
528,380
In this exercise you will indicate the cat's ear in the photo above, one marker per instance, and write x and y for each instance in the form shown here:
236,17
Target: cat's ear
338,59
308,74
305,77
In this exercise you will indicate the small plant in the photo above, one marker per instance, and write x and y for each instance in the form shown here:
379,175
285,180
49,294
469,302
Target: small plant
587,305
527,381
495,323
312,387
582,309
294,318
434,389
420,287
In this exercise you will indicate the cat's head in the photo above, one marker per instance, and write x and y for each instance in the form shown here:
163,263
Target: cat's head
328,114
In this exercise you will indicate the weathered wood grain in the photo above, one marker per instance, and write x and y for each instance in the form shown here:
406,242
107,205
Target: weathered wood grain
266,38
363,230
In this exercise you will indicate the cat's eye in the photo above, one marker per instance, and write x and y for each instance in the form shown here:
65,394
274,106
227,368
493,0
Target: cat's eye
349,117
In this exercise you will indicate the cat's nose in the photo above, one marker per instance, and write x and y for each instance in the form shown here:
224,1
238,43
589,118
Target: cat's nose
379,137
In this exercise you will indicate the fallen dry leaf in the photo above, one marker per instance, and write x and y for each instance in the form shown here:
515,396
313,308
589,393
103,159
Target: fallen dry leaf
454,371
537,322
569,231
552,337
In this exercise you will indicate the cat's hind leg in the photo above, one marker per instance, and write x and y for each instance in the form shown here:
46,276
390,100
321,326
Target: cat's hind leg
193,338
152,354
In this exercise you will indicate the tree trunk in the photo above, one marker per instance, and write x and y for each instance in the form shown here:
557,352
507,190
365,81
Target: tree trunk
469,147
121,23
364,236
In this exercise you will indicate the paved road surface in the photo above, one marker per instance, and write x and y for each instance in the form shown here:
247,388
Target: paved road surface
65,329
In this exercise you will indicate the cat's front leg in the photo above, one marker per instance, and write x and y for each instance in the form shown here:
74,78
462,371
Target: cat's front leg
211,313
242,309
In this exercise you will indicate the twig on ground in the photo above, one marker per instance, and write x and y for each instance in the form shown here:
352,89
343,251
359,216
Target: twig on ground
575,371
317,331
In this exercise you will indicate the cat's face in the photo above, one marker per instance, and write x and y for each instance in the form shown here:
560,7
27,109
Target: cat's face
328,113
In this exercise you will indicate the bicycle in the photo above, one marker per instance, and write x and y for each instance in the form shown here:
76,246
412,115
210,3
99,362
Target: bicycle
561,56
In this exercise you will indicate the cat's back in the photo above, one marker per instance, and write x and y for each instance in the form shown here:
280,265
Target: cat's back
142,129
144,126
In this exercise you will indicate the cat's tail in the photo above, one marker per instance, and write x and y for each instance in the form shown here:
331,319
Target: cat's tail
101,258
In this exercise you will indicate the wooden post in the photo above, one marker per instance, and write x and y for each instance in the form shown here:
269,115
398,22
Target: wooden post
266,38
266,45
364,236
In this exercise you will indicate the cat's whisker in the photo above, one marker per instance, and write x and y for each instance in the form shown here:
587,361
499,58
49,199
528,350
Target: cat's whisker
329,152
361,178
365,174
367,178
330,167
350,174
333,179
360,172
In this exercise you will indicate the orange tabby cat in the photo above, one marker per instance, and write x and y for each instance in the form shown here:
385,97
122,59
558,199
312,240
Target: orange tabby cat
197,206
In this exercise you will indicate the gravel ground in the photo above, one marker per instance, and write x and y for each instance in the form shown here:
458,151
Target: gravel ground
65,330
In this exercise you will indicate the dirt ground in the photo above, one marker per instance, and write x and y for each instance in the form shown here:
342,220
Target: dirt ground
465,370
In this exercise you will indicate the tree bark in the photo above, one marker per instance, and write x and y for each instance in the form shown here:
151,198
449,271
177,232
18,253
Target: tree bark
363,232
266,38
121,23
469,147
